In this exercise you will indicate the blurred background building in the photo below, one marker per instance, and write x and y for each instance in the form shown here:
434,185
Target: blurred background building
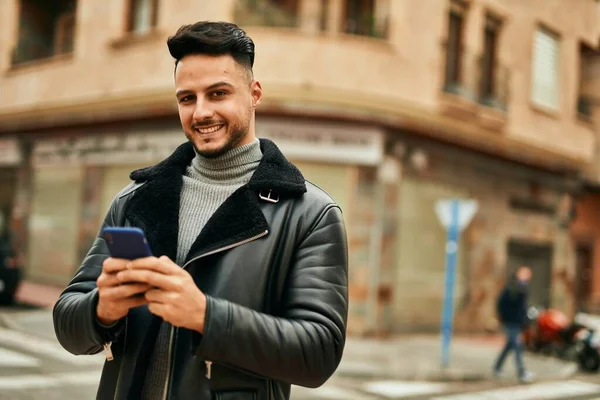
389,105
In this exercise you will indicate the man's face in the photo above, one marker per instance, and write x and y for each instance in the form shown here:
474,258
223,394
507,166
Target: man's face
216,100
524,274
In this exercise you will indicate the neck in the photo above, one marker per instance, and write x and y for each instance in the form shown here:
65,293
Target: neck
230,166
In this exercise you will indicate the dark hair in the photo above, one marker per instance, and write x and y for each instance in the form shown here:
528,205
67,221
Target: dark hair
218,38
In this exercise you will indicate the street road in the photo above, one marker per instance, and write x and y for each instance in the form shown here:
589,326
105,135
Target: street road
33,366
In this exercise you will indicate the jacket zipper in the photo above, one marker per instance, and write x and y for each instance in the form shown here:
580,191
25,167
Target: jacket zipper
231,246
169,356
207,362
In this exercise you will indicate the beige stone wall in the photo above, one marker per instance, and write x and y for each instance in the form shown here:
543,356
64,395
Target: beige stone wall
397,80
417,299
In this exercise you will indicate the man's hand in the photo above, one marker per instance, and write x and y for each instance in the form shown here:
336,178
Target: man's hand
174,295
114,297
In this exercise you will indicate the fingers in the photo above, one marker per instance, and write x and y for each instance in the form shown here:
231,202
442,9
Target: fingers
163,265
107,280
112,265
152,278
159,296
134,301
158,309
116,293
112,306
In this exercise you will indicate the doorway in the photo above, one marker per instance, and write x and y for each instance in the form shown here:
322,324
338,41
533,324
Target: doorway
583,281
537,256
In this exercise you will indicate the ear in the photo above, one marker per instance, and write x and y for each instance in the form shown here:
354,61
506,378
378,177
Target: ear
256,92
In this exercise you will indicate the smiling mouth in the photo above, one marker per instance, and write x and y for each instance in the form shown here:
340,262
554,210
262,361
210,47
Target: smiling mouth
209,129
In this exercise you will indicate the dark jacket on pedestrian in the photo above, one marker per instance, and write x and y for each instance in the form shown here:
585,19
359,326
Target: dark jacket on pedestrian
512,303
272,262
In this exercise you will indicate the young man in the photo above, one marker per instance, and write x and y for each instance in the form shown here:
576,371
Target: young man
247,293
512,312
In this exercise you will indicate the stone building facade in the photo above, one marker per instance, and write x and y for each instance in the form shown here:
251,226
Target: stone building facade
389,105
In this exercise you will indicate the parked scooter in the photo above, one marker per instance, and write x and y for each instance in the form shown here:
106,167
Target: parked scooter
588,351
550,332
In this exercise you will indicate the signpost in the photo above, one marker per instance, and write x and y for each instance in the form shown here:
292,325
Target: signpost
455,215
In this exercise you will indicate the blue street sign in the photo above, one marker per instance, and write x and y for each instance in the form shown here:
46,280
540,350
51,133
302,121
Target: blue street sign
454,214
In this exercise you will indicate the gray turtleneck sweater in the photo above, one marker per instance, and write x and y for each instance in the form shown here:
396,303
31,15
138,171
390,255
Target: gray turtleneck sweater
207,183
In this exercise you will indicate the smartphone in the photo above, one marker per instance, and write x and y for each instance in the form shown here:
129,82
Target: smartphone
127,243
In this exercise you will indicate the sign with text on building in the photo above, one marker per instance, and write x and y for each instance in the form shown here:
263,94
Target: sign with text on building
131,148
10,152
302,140
326,142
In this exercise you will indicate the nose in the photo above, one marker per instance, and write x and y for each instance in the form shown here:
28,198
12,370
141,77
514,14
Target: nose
203,111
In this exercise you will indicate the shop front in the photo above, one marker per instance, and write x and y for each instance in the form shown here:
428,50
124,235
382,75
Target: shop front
75,178
520,221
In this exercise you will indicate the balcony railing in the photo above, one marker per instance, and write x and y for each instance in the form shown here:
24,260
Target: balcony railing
367,25
266,13
460,74
466,76
493,86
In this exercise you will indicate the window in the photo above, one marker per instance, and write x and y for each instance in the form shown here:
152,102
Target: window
587,67
267,12
324,15
545,69
142,16
488,90
46,29
366,17
456,20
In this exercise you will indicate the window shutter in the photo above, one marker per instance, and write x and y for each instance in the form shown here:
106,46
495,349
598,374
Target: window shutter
142,17
545,69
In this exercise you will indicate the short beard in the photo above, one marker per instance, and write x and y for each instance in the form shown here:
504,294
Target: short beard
237,134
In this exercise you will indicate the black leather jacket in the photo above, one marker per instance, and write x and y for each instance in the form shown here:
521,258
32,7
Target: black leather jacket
272,262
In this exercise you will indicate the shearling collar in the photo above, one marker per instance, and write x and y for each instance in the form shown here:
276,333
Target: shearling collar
274,171
154,207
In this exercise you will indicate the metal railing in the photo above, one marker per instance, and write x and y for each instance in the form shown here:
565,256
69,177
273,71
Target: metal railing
466,75
367,25
460,74
493,85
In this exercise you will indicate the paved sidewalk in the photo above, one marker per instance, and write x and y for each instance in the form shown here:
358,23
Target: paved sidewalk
38,294
417,357
407,357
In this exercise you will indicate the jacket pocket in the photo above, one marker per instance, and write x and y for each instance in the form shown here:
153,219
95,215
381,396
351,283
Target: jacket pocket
236,395
230,382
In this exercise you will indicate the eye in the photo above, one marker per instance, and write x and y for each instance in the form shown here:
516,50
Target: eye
218,93
186,99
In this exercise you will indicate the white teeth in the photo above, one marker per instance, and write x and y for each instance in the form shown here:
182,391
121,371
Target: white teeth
209,129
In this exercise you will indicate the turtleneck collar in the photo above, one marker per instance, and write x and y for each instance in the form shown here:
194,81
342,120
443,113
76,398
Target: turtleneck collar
230,167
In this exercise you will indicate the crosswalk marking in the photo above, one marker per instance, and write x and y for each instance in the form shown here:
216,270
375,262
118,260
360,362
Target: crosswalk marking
538,391
39,346
13,359
397,389
329,392
49,381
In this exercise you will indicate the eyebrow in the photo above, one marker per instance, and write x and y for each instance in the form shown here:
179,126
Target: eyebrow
210,87
219,84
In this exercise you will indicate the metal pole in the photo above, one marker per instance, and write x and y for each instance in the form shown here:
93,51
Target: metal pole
448,307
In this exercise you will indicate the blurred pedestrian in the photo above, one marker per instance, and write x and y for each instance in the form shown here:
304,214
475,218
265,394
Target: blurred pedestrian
10,271
512,312
261,301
